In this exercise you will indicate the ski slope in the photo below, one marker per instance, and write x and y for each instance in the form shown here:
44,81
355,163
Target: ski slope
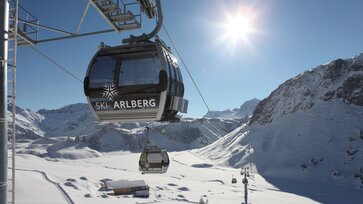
188,179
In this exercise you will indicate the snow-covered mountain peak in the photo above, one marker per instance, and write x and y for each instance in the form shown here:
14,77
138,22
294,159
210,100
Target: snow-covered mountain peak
338,80
358,57
249,106
310,128
243,112
74,127
72,108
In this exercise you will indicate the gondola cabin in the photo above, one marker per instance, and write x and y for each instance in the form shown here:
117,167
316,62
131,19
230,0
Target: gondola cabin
135,83
154,160
234,180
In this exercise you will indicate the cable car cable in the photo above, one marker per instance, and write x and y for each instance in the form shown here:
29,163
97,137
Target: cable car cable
55,63
186,68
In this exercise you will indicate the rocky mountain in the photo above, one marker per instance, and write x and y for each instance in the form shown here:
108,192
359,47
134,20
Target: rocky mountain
243,112
309,129
340,80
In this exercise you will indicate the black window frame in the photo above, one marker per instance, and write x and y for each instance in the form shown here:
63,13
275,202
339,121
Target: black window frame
177,81
121,59
93,69
172,76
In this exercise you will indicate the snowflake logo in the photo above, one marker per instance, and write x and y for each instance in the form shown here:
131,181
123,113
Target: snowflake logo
109,91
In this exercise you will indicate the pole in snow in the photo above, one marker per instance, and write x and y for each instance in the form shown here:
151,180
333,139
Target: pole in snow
245,182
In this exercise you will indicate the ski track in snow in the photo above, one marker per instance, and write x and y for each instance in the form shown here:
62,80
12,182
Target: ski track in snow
65,195
174,160
213,166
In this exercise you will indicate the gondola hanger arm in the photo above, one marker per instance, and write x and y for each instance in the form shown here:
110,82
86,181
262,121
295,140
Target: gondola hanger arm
144,37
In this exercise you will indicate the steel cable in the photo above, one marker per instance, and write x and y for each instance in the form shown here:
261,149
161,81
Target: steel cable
186,68
58,65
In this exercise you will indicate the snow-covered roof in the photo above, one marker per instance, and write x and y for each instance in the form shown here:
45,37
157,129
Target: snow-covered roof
111,185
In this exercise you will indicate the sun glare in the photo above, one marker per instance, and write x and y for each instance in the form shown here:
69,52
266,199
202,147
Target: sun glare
238,28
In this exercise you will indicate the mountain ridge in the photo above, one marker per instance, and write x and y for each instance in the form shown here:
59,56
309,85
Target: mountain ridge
301,131
243,112
72,128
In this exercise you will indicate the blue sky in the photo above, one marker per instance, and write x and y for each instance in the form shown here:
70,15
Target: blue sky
290,37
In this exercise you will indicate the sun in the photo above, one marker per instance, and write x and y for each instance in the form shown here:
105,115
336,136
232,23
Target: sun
238,27
237,31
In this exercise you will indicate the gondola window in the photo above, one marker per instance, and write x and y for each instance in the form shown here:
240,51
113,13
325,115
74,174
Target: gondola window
139,71
103,72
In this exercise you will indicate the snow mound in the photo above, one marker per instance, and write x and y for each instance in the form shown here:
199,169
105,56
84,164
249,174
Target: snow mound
68,150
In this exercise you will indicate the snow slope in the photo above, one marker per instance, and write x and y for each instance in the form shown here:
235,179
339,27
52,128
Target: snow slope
309,130
26,123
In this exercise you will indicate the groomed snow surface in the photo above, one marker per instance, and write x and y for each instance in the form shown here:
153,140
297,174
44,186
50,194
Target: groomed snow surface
188,179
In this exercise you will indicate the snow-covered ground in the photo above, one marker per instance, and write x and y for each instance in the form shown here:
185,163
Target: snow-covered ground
188,179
